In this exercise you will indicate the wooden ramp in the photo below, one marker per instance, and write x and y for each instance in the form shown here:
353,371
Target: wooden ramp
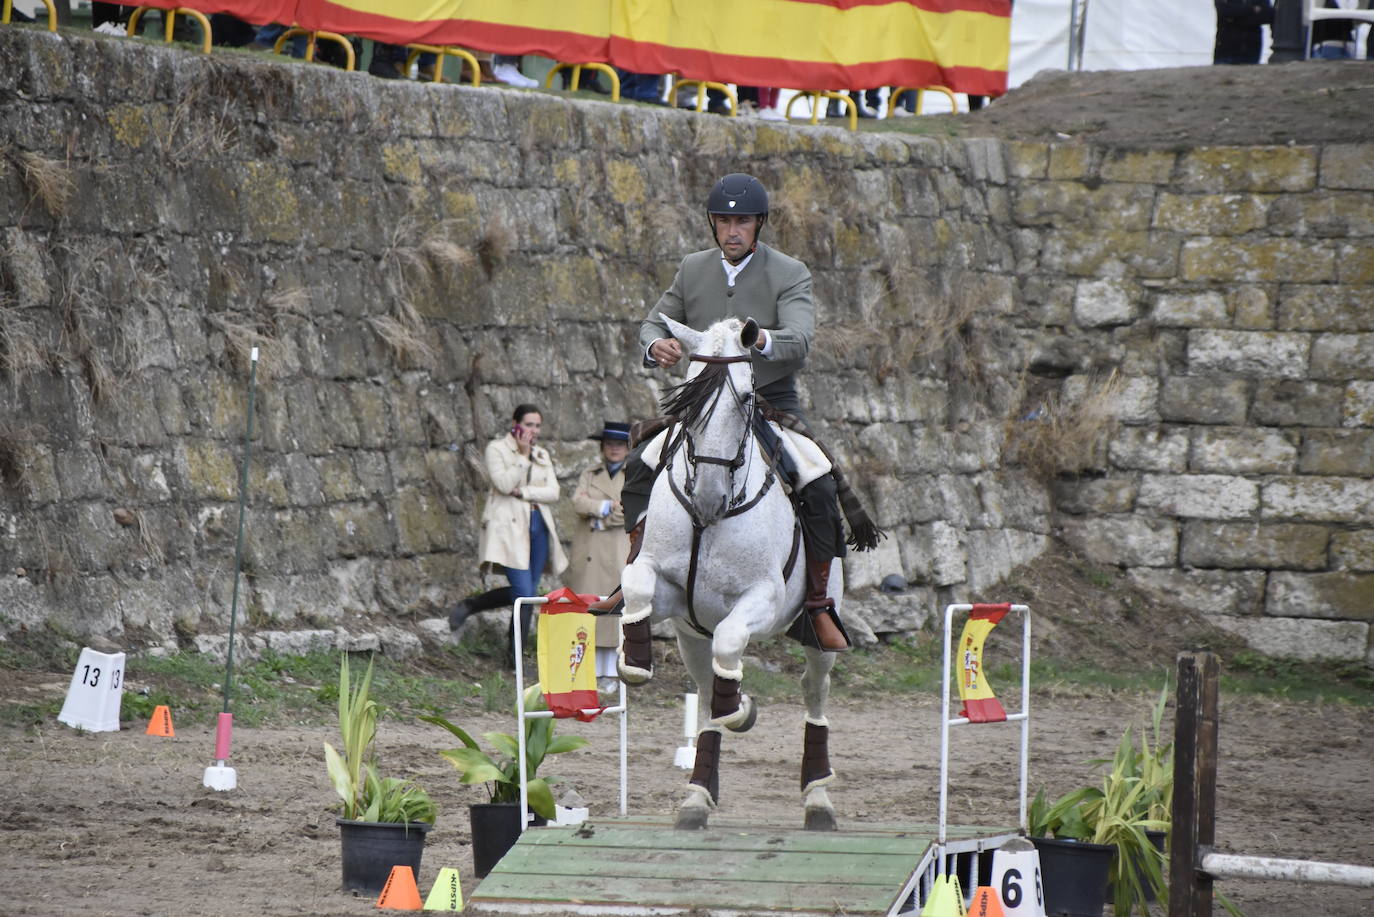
642,865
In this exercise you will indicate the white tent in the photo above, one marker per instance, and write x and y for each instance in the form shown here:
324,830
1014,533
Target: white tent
1115,35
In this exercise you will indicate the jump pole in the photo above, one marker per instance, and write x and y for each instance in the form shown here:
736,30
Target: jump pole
219,776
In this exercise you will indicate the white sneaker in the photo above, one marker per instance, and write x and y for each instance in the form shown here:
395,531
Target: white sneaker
900,112
111,28
508,74
771,114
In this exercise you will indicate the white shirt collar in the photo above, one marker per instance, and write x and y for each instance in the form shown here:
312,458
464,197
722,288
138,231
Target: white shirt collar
732,270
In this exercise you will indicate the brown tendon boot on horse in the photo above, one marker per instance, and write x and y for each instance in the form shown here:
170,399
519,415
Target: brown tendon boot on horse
729,706
636,663
815,766
704,787
824,621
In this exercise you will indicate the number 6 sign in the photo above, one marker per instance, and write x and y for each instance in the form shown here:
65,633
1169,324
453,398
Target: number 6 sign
96,691
1016,876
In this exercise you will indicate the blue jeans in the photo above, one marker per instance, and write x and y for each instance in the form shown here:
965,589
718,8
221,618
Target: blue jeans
525,583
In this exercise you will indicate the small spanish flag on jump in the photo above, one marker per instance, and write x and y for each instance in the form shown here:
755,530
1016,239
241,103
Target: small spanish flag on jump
980,704
567,655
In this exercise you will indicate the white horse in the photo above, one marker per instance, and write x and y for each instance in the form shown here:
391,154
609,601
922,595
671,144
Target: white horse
722,560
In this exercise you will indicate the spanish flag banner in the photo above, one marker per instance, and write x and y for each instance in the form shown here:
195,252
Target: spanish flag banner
567,655
980,705
963,45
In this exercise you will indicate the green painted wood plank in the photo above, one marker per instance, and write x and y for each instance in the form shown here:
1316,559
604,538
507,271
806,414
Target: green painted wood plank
602,835
887,871
706,891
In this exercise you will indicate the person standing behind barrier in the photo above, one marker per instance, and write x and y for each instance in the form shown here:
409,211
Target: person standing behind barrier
518,533
600,543
1239,39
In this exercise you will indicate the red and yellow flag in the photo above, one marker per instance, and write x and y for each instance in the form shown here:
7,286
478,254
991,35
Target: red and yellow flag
980,704
963,45
567,655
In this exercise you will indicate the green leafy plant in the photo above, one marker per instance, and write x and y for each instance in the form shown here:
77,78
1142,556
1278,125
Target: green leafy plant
367,796
501,771
1134,797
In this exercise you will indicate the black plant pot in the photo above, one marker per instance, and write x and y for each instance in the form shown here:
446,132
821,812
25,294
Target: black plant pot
495,829
371,848
1157,838
1075,876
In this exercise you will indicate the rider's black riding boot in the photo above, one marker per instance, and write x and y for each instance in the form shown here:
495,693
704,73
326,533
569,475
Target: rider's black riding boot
822,610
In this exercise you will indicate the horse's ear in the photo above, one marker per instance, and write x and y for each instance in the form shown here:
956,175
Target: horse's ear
749,334
690,339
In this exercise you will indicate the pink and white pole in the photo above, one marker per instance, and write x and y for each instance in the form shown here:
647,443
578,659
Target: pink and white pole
218,776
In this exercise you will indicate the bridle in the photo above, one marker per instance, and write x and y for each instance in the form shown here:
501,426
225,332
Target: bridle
737,503
744,405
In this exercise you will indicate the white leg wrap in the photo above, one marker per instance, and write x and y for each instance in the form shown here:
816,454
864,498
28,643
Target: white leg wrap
817,784
633,617
818,721
697,797
732,674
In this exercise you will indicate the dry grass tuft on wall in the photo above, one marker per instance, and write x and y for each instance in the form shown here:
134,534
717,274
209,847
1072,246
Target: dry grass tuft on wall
1065,433
48,180
21,345
406,334
495,246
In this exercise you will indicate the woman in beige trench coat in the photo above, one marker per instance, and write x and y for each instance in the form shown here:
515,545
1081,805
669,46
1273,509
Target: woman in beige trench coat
518,533
600,544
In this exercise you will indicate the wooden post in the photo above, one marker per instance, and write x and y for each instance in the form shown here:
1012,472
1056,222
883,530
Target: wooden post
1195,784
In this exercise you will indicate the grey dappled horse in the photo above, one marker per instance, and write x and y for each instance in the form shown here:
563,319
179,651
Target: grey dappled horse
722,560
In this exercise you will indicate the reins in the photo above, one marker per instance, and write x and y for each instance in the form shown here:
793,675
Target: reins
737,504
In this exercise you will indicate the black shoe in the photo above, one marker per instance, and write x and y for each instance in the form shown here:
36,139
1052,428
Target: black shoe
459,614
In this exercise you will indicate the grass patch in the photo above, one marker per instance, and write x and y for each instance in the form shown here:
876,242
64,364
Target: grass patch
303,690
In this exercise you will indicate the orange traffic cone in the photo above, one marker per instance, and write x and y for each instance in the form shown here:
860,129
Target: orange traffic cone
986,903
161,723
400,892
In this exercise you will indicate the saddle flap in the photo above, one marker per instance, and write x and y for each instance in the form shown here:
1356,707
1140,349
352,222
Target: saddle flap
808,457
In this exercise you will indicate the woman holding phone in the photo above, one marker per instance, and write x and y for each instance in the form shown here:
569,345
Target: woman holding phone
517,524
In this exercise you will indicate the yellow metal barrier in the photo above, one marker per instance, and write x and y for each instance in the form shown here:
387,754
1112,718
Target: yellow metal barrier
335,37
702,86
896,93
169,19
440,51
7,10
577,76
816,97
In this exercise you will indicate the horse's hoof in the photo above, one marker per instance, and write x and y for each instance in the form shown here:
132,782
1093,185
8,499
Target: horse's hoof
820,820
692,818
633,674
743,719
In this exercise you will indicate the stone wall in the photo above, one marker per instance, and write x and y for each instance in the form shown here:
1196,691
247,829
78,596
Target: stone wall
1233,292
413,260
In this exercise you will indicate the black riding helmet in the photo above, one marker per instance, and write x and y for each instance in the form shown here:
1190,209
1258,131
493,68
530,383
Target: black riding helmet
738,193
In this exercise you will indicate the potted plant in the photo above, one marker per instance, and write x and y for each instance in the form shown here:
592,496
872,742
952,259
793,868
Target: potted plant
1112,831
384,819
496,824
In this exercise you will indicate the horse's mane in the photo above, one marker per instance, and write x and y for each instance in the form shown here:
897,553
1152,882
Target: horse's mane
688,401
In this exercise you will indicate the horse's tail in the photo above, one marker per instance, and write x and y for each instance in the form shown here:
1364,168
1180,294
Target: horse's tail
864,533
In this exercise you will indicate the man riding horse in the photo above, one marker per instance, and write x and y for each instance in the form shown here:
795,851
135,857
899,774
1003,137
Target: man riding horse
744,278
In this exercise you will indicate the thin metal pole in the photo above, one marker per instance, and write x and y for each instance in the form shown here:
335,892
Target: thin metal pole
238,543
517,636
